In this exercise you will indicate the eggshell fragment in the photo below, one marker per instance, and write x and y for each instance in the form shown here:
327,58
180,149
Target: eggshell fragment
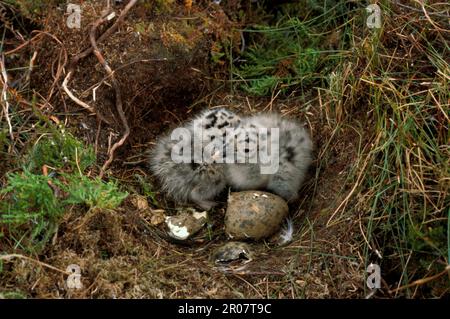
185,224
233,251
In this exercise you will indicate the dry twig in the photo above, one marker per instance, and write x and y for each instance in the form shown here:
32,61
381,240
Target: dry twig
115,84
73,97
106,34
5,105
11,256
423,280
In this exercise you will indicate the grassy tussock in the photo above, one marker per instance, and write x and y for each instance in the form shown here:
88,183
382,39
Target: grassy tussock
392,86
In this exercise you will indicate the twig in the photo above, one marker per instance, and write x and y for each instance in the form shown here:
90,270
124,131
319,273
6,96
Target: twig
11,256
31,66
437,14
355,186
62,55
23,44
115,84
73,97
106,34
423,280
88,51
5,96
39,34
59,71
250,285
95,86
60,67
428,17
78,101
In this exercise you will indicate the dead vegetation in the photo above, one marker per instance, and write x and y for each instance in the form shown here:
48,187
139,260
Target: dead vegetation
161,62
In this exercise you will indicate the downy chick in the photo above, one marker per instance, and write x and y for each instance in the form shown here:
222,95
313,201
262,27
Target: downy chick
295,156
197,182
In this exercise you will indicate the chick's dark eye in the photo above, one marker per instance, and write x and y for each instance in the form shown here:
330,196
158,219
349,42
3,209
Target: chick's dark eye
194,166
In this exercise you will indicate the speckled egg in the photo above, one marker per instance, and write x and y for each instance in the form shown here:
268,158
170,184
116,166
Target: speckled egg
254,214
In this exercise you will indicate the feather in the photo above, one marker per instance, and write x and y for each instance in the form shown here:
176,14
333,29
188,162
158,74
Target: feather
287,232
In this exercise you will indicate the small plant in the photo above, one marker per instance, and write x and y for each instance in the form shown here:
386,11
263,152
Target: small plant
29,197
33,8
163,6
146,189
32,203
29,207
60,150
283,57
93,192
13,295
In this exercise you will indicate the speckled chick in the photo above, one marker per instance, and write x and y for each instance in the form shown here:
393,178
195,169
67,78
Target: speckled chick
295,156
193,183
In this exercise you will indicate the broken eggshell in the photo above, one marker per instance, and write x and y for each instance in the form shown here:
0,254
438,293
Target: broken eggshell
254,214
232,251
185,224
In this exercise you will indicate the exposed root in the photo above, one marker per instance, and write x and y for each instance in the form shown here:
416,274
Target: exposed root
106,34
5,96
12,256
73,97
115,84
423,280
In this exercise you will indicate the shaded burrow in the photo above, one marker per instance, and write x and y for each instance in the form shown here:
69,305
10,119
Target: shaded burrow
161,57
162,67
